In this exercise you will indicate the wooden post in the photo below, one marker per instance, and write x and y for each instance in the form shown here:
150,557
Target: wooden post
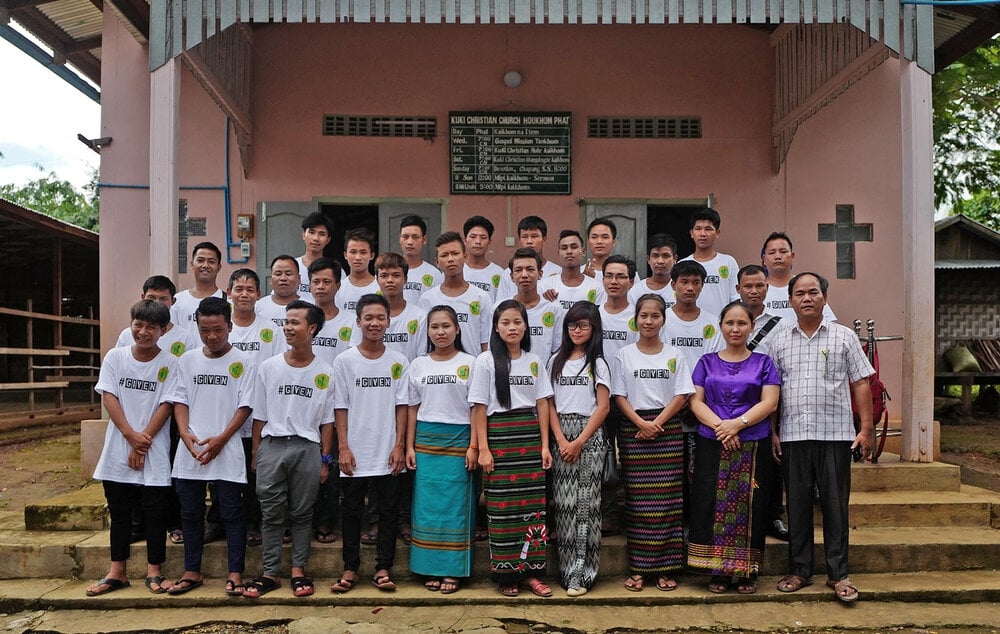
57,292
29,328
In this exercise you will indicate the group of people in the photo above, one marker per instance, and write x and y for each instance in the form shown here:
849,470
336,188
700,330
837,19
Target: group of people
410,388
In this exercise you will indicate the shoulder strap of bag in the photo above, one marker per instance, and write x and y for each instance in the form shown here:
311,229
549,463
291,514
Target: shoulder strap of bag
768,327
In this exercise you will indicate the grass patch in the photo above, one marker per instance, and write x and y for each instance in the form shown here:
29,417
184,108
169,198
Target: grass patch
981,439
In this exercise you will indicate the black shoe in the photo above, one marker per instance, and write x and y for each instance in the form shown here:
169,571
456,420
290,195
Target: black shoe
778,530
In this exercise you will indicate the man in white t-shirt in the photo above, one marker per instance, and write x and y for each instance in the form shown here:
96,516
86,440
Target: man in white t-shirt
661,255
371,411
532,233
292,445
206,262
690,329
480,271
777,257
317,231
407,331
212,399
544,317
174,339
284,290
472,304
720,269
571,286
359,251
420,275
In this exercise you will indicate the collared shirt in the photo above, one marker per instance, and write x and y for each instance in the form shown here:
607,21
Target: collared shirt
816,376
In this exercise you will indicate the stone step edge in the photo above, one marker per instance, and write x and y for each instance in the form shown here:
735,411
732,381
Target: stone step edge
940,587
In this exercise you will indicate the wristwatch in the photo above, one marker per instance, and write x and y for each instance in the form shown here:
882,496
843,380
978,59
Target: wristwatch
744,419
328,459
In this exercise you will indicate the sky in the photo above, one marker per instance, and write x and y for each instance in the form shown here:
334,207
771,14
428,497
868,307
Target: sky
40,116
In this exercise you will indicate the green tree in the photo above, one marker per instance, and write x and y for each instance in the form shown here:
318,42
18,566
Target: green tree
966,98
58,198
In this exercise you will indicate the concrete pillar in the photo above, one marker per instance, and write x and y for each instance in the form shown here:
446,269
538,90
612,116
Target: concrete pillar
164,135
917,402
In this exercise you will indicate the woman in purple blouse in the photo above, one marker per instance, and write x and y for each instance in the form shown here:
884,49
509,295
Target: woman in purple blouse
735,393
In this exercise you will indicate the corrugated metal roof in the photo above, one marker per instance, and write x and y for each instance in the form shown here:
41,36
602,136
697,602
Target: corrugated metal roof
957,265
948,24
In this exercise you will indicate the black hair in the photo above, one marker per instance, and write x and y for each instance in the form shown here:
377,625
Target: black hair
159,283
207,245
360,235
317,219
565,233
151,311
660,240
239,274
314,314
449,236
824,284
736,304
445,308
214,306
501,356
390,260
285,257
708,214
592,350
620,259
532,222
650,297
478,221
750,269
687,267
606,222
413,221
776,235
525,252
321,264
371,298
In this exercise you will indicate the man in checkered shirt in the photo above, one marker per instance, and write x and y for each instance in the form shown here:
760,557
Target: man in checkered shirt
821,364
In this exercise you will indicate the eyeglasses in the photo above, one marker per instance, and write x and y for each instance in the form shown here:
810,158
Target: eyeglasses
581,325
616,277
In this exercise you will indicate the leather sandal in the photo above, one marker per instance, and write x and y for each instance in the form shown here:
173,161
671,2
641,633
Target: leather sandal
793,583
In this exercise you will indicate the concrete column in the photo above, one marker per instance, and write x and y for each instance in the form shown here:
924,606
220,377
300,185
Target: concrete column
917,402
164,134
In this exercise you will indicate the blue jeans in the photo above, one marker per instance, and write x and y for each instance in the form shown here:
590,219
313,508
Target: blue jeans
191,494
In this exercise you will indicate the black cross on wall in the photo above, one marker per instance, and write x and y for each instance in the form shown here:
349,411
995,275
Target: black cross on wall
845,232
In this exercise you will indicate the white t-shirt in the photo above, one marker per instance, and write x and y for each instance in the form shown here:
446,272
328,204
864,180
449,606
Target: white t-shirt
776,303
261,339
140,387
764,345
528,383
185,306
574,389
272,312
293,401
589,289
303,289
213,389
176,341
642,288
349,294
545,323
370,390
619,330
441,388
407,332
720,284
487,278
649,381
420,279
508,288
335,336
692,338
475,314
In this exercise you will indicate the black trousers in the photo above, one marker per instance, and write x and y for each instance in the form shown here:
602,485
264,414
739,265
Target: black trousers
387,489
827,465
124,499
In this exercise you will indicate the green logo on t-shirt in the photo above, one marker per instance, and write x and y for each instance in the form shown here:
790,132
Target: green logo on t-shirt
322,381
709,331
463,372
672,365
397,371
549,319
236,370
592,295
411,327
632,326
724,272
163,373
534,368
495,280
267,335
177,348
345,333
475,308
428,280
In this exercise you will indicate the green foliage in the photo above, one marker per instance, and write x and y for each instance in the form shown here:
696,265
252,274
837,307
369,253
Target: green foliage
58,198
966,98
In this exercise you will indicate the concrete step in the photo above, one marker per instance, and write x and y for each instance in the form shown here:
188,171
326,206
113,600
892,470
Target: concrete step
891,474
913,589
969,506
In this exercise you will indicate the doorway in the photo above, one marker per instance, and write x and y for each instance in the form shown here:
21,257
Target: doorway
674,220
348,218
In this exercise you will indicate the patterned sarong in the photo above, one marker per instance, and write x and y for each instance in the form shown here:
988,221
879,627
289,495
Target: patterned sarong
515,497
728,508
576,489
653,474
444,506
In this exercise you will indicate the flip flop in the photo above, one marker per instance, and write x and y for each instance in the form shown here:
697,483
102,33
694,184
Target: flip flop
718,585
371,536
183,586
260,586
176,536
254,538
406,534
112,585
325,535
509,590
634,583
433,584
234,589
747,586
343,585
302,586
449,585
383,582
666,584
158,580
845,589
